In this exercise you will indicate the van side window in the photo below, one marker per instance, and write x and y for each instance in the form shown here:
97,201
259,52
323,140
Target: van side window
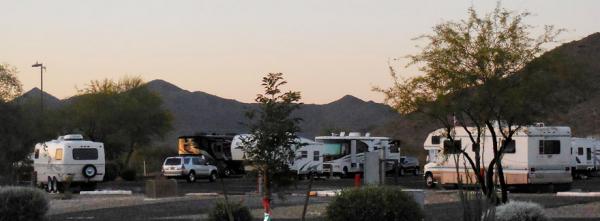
186,160
435,139
58,155
196,161
549,146
36,154
511,147
316,156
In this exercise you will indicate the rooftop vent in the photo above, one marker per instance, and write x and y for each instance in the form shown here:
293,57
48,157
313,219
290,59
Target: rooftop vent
71,137
540,124
354,134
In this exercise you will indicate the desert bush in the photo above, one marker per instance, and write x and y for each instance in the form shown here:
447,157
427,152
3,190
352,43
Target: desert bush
520,211
111,171
374,203
239,212
22,204
129,174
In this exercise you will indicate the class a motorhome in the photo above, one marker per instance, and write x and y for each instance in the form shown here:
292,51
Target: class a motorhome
585,155
69,158
344,154
538,155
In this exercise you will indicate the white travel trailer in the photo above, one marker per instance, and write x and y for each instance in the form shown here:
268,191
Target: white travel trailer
586,156
308,158
537,155
68,157
344,154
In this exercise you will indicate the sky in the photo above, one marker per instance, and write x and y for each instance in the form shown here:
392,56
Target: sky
326,49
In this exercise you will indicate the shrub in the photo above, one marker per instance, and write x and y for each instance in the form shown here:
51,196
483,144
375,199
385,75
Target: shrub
374,203
111,171
239,211
22,203
129,174
520,211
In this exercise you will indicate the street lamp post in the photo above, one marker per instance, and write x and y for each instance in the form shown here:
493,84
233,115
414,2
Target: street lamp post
42,68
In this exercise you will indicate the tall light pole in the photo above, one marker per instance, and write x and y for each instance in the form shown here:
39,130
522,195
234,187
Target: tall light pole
42,68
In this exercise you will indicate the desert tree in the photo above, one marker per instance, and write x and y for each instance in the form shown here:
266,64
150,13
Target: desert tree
269,146
473,79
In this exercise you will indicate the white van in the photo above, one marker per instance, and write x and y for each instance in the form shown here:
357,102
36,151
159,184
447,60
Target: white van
68,157
538,155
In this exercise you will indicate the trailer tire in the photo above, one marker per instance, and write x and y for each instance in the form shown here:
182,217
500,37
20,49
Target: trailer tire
429,182
49,185
89,171
54,185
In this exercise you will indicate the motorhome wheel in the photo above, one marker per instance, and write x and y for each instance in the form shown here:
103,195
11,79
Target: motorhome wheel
345,172
89,171
191,177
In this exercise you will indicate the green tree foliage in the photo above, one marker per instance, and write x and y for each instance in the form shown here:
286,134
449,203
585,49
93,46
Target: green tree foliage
124,114
272,131
475,75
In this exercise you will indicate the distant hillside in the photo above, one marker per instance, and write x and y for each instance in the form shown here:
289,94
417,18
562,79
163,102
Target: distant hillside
201,112
33,96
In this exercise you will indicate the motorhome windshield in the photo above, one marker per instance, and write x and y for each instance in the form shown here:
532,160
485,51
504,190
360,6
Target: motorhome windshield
336,149
85,154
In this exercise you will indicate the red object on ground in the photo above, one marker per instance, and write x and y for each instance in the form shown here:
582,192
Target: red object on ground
266,205
357,180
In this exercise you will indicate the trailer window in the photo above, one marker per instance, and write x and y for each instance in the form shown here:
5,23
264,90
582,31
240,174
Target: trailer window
316,156
511,147
303,154
58,155
173,161
452,148
580,151
85,154
36,154
435,139
549,147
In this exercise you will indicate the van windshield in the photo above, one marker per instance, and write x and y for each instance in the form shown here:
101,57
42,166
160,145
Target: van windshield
85,154
173,161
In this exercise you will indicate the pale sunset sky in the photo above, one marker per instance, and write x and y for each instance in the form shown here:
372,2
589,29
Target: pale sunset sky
325,48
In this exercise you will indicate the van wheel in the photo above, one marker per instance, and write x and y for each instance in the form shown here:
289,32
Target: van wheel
191,177
212,177
429,182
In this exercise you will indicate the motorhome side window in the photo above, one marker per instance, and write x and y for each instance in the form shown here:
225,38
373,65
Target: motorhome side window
58,154
580,151
85,154
549,147
510,147
304,154
435,139
452,148
316,155
589,154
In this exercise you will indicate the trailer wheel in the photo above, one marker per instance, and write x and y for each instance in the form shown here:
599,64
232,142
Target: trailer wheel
429,182
89,171
49,185
54,185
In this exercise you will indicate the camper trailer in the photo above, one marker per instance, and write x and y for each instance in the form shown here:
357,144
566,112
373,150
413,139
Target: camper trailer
586,156
537,155
344,154
308,158
69,158
216,147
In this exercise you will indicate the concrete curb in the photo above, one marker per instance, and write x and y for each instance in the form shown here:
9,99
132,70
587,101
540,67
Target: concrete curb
202,194
579,194
106,192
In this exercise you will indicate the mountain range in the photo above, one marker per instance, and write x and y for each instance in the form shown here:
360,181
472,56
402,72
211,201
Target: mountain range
196,112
